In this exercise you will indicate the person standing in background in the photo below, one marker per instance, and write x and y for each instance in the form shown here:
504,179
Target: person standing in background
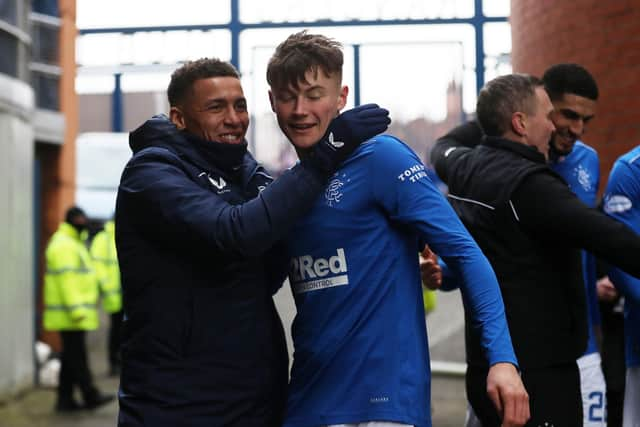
103,251
70,299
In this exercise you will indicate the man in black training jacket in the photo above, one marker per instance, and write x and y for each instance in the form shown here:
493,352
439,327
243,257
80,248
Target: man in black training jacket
530,226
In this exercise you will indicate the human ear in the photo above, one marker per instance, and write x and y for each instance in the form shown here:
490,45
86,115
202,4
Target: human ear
271,101
342,97
177,117
519,123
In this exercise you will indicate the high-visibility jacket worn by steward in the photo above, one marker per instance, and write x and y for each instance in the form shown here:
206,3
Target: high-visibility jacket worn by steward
70,284
105,258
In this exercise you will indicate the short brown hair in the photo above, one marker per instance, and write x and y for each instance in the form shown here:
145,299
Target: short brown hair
182,79
503,96
302,52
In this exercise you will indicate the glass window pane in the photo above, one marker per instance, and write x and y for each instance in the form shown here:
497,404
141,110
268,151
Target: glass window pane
496,8
8,11
141,13
46,7
47,89
252,11
435,105
9,49
497,48
45,43
433,61
152,47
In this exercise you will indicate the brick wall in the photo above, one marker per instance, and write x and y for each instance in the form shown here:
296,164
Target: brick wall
604,37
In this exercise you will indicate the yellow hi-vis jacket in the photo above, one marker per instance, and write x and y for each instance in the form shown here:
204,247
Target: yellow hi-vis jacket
105,259
70,283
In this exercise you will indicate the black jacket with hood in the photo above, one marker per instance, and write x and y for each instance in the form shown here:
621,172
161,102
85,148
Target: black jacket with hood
530,226
196,224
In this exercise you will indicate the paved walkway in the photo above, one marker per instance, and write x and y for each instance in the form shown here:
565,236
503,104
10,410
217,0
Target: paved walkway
34,408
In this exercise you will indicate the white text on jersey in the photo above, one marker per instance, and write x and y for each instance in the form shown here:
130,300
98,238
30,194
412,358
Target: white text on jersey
308,274
413,174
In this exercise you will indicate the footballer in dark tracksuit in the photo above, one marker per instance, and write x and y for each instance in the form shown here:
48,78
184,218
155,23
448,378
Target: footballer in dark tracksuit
196,224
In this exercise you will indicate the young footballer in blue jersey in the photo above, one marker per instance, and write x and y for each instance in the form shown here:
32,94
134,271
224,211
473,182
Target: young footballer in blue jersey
581,170
360,343
573,92
622,201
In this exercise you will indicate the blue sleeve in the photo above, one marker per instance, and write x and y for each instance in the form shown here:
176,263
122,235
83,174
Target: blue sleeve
169,207
588,259
622,202
595,170
450,281
628,285
401,185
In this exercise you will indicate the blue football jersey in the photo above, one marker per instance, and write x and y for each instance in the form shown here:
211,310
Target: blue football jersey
581,170
622,201
360,343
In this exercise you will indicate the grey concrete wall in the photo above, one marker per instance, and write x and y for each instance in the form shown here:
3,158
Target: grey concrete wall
16,236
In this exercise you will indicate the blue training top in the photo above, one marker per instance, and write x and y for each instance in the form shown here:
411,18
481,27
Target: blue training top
622,201
581,170
360,339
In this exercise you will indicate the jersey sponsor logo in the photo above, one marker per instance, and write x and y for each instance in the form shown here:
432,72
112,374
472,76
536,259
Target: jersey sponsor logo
617,204
413,174
309,274
583,177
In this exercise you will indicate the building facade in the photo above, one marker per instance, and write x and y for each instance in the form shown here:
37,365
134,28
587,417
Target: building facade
38,126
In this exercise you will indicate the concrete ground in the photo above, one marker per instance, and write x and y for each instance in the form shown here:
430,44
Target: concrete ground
34,407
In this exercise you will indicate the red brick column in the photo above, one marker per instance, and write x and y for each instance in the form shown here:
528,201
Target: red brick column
604,37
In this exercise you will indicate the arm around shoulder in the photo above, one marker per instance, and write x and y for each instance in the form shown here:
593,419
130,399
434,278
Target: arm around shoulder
448,147
546,207
166,203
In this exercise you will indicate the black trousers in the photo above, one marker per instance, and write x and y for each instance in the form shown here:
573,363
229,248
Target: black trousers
74,367
613,360
554,396
115,338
